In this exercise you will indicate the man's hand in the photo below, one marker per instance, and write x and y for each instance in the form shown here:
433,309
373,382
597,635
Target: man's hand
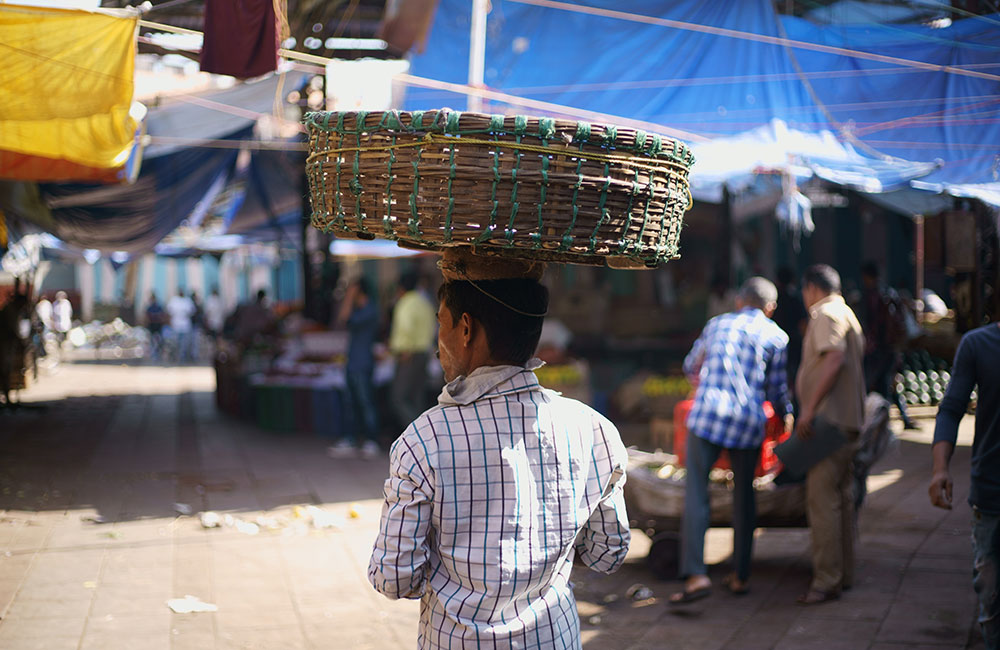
789,423
803,426
940,489
941,486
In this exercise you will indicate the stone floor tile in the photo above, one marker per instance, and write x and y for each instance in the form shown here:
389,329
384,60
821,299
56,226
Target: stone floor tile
125,641
235,616
942,564
285,637
42,608
809,633
14,627
48,642
852,606
152,621
909,646
942,621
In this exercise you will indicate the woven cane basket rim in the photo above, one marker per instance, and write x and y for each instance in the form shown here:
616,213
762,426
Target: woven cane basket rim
538,188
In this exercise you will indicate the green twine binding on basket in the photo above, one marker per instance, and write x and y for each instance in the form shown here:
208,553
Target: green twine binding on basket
582,135
452,172
413,227
451,124
610,135
491,228
355,184
546,129
600,206
387,219
520,126
322,177
656,145
636,186
645,144
338,219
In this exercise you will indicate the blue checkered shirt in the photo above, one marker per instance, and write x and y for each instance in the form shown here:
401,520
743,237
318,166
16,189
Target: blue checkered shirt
490,496
738,363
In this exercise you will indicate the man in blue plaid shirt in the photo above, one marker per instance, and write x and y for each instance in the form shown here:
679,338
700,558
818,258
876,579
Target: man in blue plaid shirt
737,363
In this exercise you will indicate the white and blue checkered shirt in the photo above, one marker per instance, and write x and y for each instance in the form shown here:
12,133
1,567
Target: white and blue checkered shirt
738,362
490,496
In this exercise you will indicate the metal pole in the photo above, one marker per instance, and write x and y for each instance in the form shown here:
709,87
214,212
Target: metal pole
477,52
919,222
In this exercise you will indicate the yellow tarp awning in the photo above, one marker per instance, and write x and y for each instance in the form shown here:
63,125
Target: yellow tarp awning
66,83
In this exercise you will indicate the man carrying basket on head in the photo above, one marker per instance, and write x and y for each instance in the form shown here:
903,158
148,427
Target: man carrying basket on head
493,492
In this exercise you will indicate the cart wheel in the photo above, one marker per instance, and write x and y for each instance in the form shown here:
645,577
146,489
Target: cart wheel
664,556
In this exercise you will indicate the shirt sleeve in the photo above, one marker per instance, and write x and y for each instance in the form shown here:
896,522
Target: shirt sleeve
777,380
696,357
603,543
364,317
956,396
401,335
399,559
829,333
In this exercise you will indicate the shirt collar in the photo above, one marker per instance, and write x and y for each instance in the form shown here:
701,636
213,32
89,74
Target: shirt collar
466,389
832,298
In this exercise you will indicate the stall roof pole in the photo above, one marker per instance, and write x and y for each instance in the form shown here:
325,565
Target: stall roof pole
918,221
477,53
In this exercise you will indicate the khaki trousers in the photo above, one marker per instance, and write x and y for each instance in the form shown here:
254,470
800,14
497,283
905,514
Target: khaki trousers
830,508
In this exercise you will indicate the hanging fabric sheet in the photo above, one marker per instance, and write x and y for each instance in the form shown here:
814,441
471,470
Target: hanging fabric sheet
241,38
66,84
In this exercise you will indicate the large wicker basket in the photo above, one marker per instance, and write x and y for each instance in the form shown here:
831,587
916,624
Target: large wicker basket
539,188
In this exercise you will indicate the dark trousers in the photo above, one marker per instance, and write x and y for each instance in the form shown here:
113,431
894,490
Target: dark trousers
409,387
880,377
986,545
361,391
701,455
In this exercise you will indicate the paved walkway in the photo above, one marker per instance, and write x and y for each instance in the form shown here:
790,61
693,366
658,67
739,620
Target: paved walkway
92,545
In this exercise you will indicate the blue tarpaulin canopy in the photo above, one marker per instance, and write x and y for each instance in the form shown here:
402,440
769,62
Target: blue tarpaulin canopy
195,142
878,113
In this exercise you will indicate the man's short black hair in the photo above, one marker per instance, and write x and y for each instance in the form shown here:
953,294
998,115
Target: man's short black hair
870,270
364,286
512,336
822,276
408,281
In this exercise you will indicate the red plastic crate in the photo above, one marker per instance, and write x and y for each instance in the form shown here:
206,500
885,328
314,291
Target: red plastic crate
774,434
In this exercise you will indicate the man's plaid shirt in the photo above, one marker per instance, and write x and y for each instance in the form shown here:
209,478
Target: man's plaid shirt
490,496
738,363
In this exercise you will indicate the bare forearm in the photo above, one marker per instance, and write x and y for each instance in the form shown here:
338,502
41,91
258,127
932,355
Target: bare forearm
940,489
941,452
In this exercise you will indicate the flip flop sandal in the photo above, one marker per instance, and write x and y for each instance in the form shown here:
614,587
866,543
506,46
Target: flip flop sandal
684,597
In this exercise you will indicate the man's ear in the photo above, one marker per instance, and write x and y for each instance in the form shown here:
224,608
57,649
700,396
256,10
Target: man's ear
467,331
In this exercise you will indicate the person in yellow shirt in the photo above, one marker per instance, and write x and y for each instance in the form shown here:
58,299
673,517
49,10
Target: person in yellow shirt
410,340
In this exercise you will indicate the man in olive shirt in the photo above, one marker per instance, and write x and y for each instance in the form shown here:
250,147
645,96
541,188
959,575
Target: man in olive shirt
830,385
411,338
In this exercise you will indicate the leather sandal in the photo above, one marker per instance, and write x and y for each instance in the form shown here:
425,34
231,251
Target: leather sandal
815,597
